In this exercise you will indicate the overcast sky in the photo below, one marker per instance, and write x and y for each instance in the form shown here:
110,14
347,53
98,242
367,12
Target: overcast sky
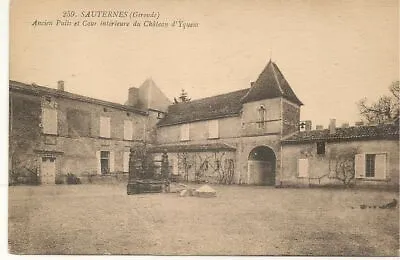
331,52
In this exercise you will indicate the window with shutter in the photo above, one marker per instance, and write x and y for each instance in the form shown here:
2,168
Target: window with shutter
370,165
303,168
49,121
380,166
128,130
98,158
185,132
105,162
213,131
359,162
126,162
112,162
105,127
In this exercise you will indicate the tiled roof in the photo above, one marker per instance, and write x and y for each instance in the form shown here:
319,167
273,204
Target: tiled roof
224,105
191,148
41,90
372,132
271,84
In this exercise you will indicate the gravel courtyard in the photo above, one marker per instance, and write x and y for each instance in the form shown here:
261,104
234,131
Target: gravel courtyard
102,219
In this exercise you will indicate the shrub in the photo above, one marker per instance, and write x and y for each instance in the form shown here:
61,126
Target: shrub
72,179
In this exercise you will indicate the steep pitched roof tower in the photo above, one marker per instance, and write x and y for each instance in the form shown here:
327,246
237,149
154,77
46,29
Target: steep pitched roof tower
271,84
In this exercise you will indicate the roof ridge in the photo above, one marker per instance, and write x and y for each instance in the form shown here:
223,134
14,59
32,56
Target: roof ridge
276,76
66,94
196,100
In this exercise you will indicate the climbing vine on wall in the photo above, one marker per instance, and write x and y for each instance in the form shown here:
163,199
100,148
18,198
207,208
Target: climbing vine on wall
216,167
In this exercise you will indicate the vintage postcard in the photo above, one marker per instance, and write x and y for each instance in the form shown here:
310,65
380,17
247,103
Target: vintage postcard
250,128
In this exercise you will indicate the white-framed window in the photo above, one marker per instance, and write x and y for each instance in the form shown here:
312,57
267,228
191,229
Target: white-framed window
105,127
128,129
370,166
49,121
126,161
105,162
185,132
302,168
213,129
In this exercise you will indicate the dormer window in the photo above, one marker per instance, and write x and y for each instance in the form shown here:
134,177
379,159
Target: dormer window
261,116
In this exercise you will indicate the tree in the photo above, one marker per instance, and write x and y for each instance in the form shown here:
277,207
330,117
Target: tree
183,97
385,109
343,165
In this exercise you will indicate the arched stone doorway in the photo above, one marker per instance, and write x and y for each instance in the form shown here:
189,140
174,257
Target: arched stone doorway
261,166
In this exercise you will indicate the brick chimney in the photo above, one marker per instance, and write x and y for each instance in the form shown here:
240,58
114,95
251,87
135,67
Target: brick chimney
133,96
332,126
251,83
319,127
60,85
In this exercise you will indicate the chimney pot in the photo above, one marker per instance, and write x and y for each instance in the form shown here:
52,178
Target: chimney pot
332,126
60,85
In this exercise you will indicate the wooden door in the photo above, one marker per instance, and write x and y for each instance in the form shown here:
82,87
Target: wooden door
48,170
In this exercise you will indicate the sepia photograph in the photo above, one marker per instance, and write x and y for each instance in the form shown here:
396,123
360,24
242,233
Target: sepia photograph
203,128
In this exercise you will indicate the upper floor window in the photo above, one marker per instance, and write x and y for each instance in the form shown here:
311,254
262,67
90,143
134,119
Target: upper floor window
128,130
104,127
49,121
261,116
78,122
320,147
213,129
185,132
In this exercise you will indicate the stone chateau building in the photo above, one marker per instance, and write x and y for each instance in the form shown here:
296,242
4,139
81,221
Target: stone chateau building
249,136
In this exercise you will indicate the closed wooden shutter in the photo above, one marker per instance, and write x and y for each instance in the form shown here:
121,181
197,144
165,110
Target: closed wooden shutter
185,132
112,162
128,130
105,127
126,161
380,166
98,162
359,162
213,131
49,121
303,168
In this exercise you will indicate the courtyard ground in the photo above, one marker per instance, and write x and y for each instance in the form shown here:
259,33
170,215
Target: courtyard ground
102,219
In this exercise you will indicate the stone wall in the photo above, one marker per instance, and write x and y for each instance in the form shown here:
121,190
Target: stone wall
320,165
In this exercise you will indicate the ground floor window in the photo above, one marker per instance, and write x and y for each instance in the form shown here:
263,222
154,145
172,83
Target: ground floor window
371,165
105,162
302,166
126,161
